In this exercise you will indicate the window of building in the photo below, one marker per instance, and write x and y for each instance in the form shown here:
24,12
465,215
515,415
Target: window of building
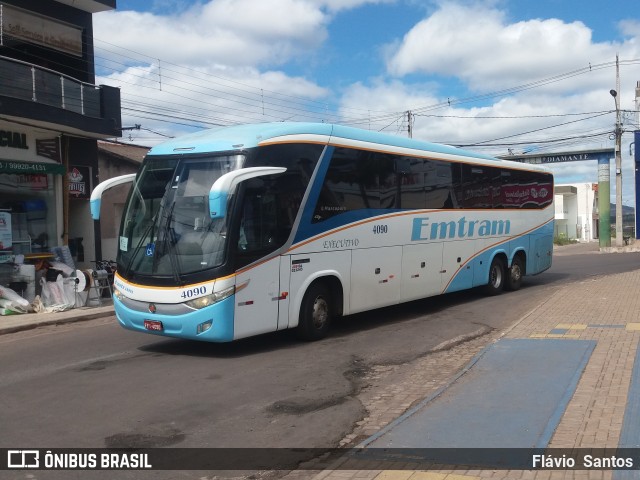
30,200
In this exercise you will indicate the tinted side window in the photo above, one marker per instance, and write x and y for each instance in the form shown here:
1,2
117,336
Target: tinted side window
442,184
267,212
269,205
300,160
522,189
262,227
516,188
481,186
544,189
357,180
390,178
371,180
352,183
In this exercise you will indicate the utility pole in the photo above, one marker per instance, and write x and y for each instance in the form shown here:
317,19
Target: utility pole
638,102
618,134
409,130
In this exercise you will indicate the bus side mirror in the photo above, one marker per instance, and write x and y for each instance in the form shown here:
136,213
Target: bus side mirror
225,185
96,195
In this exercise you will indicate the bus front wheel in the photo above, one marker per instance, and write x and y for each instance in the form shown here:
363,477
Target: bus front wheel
315,313
496,277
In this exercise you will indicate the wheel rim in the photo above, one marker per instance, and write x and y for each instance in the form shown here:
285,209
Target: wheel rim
496,276
320,312
516,272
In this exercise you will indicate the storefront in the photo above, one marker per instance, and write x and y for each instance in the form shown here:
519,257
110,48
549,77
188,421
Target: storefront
52,116
36,167
31,182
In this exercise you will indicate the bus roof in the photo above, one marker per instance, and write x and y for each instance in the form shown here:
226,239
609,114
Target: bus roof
236,137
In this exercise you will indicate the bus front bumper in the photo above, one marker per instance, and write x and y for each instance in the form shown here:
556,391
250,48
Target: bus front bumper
210,324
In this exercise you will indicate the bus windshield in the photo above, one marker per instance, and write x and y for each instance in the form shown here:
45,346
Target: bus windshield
166,230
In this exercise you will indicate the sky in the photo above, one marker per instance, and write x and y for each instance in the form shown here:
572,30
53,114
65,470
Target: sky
495,76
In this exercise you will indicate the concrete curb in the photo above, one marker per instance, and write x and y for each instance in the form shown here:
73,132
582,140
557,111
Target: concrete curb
29,321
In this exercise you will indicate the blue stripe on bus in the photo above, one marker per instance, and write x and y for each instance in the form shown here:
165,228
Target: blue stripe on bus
310,230
306,228
480,264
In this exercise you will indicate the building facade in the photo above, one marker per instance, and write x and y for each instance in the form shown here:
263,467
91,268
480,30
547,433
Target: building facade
576,211
51,116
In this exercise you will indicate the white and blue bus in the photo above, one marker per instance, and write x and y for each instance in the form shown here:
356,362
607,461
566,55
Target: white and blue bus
248,229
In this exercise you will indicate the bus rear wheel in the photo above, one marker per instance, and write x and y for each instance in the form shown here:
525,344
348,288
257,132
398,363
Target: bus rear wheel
515,274
315,313
496,277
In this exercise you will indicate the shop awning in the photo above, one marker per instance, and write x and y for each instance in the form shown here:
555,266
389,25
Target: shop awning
31,168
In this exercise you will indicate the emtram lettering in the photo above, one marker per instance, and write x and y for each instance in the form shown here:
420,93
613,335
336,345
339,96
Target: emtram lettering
424,230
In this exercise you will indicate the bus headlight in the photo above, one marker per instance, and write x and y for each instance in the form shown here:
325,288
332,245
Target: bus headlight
119,295
207,300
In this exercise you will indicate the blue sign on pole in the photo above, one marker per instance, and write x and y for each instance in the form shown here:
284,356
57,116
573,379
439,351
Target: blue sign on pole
602,154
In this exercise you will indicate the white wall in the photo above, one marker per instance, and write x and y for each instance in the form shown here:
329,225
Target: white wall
574,212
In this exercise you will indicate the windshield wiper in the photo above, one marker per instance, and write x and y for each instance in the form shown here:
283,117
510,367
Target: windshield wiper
169,236
136,250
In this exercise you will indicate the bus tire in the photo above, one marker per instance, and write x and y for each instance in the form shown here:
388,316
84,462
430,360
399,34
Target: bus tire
496,281
515,274
315,313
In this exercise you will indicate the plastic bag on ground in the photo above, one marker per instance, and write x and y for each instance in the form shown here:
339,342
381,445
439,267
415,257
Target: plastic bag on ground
8,307
54,296
7,293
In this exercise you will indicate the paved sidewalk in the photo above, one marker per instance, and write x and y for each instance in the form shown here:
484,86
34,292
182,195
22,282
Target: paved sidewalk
602,409
27,321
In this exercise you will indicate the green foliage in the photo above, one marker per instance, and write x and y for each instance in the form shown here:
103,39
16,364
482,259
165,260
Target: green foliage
562,239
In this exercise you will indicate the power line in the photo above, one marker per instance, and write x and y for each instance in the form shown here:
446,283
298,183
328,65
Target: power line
511,117
536,130
248,102
538,142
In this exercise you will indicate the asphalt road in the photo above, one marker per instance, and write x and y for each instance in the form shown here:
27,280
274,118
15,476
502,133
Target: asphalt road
94,384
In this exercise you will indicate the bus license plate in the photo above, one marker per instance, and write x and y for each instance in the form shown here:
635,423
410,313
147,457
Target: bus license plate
154,325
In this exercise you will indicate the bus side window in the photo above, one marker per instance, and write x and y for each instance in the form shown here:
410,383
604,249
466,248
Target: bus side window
481,187
352,183
260,221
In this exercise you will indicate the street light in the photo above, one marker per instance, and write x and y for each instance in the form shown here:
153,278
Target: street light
618,134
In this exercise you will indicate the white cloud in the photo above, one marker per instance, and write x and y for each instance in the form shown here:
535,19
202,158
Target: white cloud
338,5
207,96
630,28
462,124
471,50
224,32
384,97
229,32
476,44
248,43
291,21
212,62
